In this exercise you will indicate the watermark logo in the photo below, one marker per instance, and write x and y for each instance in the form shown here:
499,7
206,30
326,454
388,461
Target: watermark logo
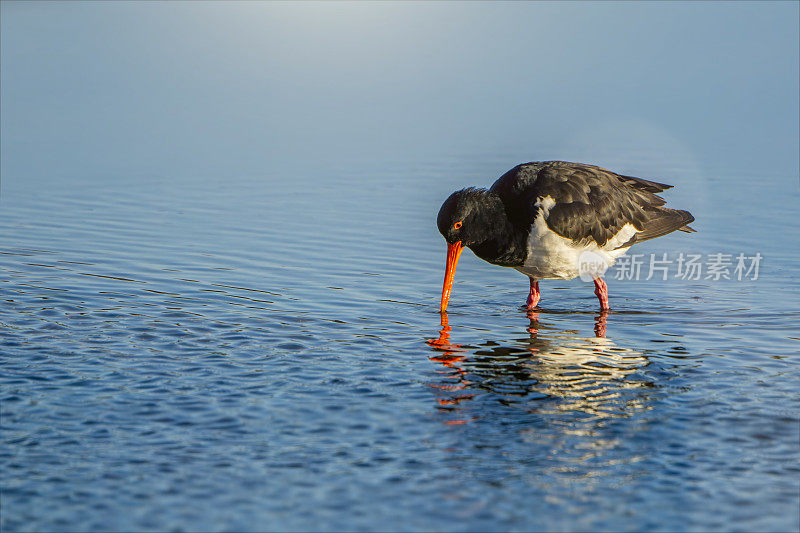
591,265
683,266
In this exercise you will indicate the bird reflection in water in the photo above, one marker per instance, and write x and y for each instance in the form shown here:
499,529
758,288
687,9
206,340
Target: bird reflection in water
549,371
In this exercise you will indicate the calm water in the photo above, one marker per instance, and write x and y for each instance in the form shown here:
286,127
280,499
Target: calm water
220,269
251,354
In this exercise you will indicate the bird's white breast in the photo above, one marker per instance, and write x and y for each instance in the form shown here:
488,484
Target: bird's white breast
551,256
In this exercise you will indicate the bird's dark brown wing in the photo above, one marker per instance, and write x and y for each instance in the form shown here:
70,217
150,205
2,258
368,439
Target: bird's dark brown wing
590,202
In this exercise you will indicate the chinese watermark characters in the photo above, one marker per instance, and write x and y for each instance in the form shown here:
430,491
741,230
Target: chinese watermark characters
690,267
684,266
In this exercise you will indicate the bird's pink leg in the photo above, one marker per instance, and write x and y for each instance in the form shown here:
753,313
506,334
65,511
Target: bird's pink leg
601,291
533,297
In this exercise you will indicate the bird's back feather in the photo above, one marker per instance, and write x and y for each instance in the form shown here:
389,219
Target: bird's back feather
590,202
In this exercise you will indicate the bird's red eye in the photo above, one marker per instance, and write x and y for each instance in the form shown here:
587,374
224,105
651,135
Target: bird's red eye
458,224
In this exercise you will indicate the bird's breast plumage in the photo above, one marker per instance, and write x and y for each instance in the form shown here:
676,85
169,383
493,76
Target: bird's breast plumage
553,256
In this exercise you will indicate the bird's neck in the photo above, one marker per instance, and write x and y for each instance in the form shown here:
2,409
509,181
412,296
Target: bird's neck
503,244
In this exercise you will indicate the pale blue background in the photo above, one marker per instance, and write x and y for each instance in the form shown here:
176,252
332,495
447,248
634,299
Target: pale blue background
186,88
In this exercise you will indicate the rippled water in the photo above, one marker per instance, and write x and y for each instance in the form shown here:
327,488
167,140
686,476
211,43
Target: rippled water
252,353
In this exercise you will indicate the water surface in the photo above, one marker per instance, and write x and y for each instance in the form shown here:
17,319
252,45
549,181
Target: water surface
220,270
237,355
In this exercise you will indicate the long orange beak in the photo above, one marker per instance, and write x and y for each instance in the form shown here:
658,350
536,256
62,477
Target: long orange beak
453,253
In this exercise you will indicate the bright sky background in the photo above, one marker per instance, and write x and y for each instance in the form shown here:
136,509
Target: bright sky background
183,88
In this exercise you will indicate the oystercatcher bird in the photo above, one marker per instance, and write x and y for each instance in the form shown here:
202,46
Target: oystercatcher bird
539,218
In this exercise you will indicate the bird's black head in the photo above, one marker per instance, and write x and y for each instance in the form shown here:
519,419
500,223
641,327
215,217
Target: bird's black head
475,218
469,216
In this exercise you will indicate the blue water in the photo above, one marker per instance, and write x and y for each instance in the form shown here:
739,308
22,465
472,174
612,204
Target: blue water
237,338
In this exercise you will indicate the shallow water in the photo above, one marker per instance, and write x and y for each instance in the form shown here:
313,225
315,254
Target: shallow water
252,354
220,270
